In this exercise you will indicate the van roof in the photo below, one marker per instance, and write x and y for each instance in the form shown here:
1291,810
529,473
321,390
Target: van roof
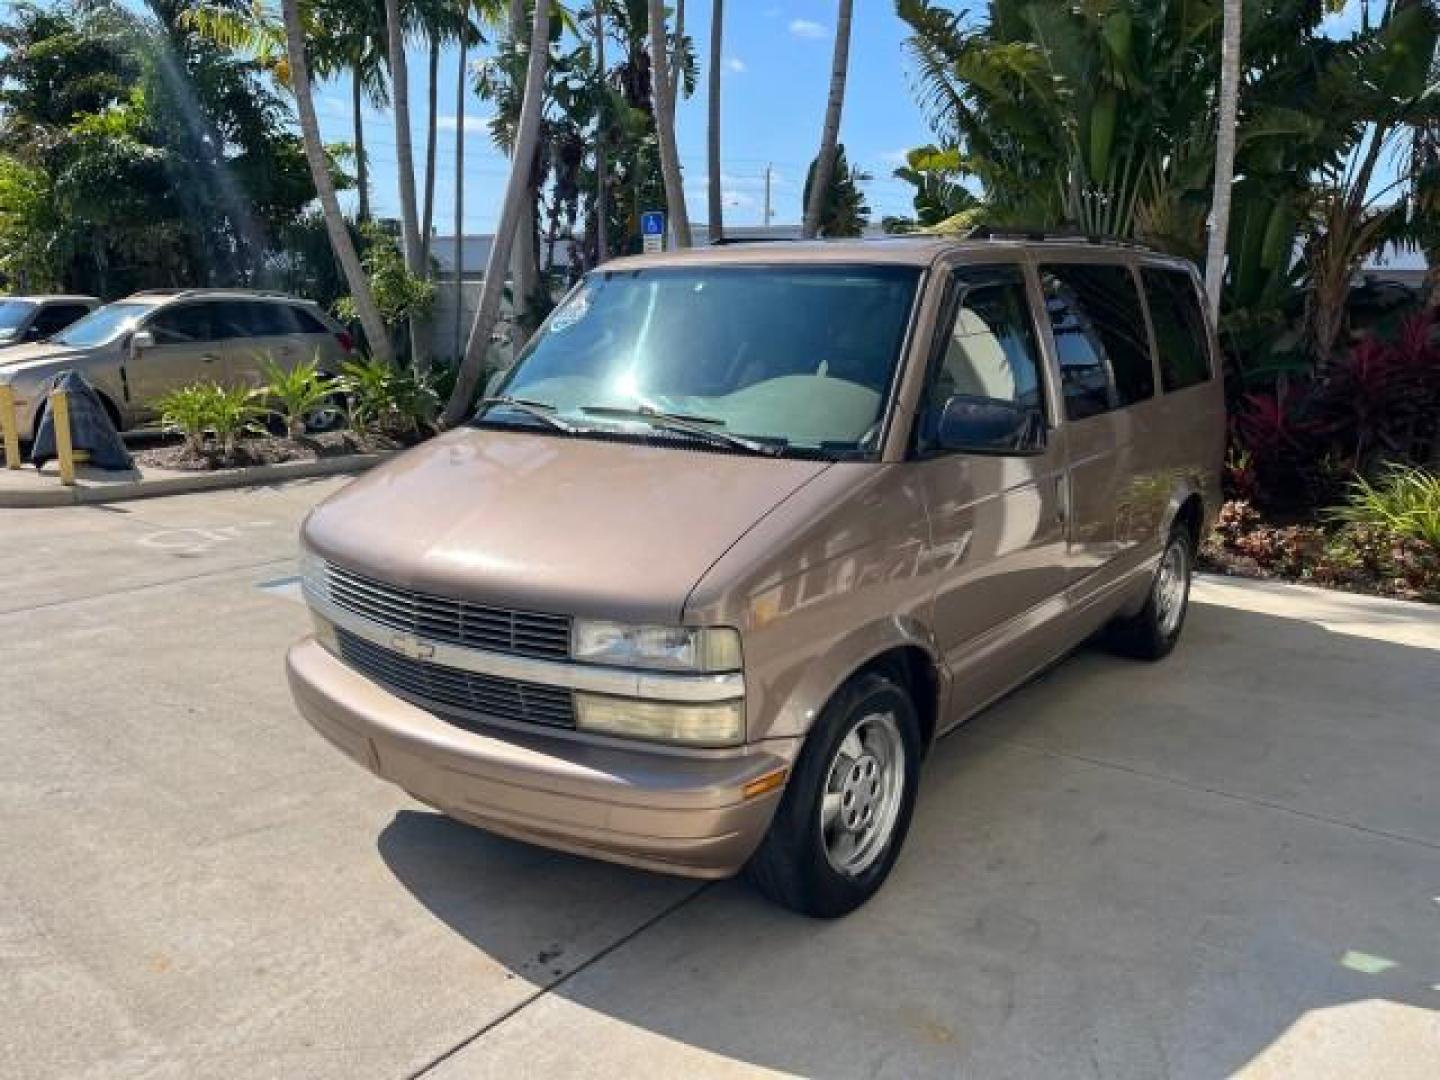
912,249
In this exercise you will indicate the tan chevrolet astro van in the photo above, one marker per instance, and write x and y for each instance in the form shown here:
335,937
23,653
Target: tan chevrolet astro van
745,529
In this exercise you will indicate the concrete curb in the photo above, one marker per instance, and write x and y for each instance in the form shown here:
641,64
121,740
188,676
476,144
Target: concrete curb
88,491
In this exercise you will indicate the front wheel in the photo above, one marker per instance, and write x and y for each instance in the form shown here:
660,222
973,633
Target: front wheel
1152,633
846,811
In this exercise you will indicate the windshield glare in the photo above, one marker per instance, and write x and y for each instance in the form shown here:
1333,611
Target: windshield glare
803,356
13,315
102,325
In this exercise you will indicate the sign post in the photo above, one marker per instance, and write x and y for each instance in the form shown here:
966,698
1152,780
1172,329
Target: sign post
652,231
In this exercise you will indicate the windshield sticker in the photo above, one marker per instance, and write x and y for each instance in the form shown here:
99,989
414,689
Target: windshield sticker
572,312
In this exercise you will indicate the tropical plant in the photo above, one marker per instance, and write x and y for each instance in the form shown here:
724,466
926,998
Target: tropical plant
234,412
190,411
384,398
527,138
826,165
1404,502
843,209
293,394
400,296
340,240
716,205
942,201
664,91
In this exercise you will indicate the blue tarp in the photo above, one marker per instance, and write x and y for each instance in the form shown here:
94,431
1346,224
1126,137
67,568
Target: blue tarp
91,428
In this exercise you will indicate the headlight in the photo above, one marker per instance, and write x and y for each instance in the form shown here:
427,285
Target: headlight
666,648
313,579
718,724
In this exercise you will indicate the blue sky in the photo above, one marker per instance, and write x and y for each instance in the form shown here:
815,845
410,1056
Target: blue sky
777,67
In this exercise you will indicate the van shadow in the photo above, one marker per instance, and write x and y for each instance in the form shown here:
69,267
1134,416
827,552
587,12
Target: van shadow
1115,871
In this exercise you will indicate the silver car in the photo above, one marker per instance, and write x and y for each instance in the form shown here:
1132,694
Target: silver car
136,350
25,319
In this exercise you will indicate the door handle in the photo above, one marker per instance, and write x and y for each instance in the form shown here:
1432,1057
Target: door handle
209,358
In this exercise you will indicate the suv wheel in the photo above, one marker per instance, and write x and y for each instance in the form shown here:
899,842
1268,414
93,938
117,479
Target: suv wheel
1151,634
327,417
847,807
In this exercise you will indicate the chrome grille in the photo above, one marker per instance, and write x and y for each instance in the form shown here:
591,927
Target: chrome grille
455,622
448,687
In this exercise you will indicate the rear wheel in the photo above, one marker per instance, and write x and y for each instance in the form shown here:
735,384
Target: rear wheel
328,416
847,808
1152,633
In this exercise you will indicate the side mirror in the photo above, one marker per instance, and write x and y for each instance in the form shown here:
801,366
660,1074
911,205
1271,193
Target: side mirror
982,425
141,340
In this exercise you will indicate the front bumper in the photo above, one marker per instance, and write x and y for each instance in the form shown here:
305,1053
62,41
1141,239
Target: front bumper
681,814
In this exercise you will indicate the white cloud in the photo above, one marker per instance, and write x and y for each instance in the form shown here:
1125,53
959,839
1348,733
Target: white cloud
736,65
474,125
805,28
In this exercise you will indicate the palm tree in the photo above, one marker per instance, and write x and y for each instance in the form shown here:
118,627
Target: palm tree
1224,155
405,162
340,239
517,190
712,135
830,135
661,88
602,201
524,255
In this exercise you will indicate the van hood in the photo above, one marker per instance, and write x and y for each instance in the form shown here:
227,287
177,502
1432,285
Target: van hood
597,527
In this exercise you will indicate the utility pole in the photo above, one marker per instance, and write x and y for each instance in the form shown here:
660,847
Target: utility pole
769,169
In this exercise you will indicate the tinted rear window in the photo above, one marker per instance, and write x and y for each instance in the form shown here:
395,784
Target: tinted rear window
1180,336
252,318
1100,335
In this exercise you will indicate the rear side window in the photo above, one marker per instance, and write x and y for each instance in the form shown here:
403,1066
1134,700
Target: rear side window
1180,335
249,318
1099,332
182,325
56,317
309,324
991,351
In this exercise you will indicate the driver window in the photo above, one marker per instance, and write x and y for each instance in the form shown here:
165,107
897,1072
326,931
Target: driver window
991,350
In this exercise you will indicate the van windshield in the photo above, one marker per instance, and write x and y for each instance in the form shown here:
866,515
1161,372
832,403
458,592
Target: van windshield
102,325
800,358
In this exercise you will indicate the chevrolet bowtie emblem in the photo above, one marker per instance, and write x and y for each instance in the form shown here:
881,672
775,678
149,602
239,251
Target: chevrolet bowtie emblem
411,646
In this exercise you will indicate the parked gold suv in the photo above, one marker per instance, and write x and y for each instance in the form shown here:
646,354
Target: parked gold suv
136,350
745,529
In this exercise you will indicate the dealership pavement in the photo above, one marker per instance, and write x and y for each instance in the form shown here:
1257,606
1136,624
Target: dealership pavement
1228,862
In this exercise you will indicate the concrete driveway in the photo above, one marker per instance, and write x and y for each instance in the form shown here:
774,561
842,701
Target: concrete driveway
1227,862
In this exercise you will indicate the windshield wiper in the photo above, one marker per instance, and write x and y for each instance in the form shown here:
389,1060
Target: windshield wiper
540,410
700,427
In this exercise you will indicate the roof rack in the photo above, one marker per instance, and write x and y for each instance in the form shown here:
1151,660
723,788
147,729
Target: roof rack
213,291
1020,232
727,241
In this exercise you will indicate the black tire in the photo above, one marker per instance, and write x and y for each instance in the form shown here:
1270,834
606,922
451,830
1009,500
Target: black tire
1151,634
792,866
332,418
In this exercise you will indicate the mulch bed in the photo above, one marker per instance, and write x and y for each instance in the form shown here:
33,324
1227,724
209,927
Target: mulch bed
267,450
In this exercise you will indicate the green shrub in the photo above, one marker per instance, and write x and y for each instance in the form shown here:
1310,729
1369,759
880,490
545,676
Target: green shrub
296,393
388,399
1405,503
190,410
235,414
205,407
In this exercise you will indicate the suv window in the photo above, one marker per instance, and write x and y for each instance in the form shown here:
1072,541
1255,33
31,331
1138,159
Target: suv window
991,351
254,318
55,317
182,324
1099,332
1180,335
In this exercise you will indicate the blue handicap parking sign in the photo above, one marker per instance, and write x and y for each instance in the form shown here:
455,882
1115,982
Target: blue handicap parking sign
652,223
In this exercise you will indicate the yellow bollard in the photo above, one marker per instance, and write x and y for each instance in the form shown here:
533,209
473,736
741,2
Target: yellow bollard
60,410
9,427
